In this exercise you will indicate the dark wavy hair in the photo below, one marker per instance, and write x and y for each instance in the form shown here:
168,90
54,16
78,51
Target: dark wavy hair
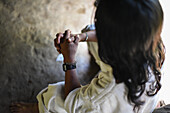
126,37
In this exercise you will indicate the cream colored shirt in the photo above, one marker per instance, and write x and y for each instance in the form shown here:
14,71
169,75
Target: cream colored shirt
102,95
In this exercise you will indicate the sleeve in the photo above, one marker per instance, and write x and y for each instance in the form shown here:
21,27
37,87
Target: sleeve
86,98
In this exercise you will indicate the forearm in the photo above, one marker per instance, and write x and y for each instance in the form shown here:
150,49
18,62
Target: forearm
71,81
69,49
91,36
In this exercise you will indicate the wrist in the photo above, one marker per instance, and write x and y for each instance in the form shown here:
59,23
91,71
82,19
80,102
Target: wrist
69,66
82,37
69,60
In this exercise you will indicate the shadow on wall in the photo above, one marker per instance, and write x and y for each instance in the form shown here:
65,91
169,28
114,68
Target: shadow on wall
27,55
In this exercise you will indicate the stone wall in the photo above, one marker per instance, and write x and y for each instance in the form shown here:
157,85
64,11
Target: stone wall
27,55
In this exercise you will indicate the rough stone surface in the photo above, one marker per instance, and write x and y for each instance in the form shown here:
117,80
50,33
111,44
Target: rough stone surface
27,55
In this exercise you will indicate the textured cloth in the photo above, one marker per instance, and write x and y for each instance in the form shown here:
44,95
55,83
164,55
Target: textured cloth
102,95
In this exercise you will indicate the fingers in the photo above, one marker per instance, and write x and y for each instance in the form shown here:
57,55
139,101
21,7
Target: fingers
61,38
77,39
58,37
57,45
57,40
74,39
67,34
71,39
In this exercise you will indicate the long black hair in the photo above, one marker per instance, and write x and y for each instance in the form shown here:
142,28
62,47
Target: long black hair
126,35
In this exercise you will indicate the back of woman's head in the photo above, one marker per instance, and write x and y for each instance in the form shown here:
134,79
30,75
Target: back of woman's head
126,32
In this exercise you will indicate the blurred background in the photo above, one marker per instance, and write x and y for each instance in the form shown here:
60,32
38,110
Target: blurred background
27,54
165,91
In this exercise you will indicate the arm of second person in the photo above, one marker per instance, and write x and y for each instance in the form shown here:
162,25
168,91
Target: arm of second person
91,36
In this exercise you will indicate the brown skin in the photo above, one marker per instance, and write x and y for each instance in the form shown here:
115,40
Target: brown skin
69,49
91,38
67,44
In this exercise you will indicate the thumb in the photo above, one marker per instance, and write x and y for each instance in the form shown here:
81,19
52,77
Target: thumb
71,39
77,38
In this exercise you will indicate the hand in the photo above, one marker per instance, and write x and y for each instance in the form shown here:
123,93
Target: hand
60,38
68,47
57,41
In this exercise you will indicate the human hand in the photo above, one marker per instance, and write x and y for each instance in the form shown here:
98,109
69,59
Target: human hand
60,38
68,47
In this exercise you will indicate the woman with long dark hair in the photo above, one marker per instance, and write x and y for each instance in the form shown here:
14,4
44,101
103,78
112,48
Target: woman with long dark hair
127,33
131,54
